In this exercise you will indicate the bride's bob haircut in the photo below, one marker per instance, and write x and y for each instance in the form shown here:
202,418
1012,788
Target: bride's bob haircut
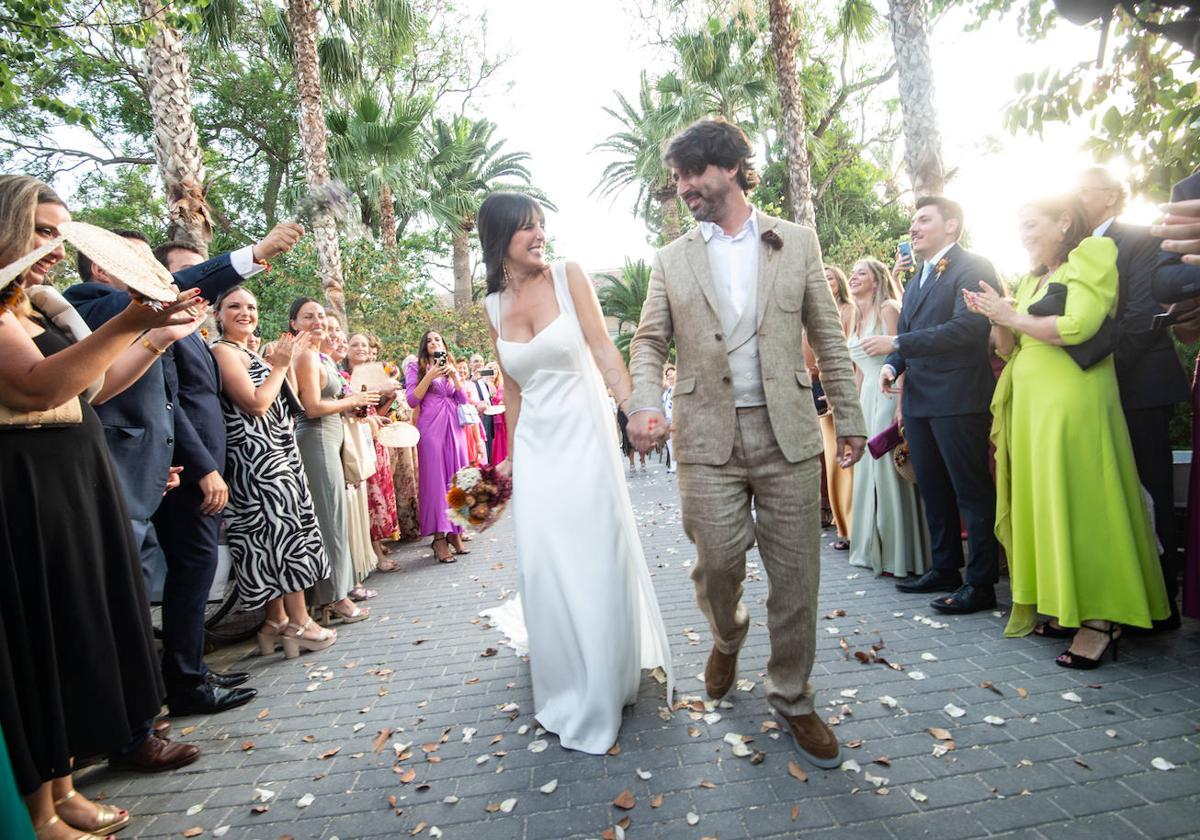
500,216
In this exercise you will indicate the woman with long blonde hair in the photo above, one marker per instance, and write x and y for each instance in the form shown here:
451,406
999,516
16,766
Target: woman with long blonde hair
837,483
888,533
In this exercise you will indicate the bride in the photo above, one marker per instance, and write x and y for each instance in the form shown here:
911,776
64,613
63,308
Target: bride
590,611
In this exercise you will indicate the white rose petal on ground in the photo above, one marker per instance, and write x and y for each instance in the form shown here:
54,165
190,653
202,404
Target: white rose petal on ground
993,720
953,711
850,766
305,800
507,805
929,657
644,774
1161,763
916,675
550,786
850,692
889,701
194,810
917,796
537,746
1071,697
692,818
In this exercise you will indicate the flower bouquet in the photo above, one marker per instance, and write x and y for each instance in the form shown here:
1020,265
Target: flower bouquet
477,496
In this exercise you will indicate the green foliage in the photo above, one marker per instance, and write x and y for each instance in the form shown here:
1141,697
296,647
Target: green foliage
386,294
1141,104
622,297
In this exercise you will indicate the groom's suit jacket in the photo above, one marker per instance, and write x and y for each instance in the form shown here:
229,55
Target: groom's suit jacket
792,296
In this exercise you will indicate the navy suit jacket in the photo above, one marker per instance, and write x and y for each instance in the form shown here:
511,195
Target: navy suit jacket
146,427
943,347
1172,276
1148,369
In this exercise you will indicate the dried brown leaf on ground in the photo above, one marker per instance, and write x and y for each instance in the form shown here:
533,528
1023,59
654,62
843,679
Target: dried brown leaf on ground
615,749
625,800
195,831
795,771
707,785
381,739
331,752
1023,693
795,812
417,829
939,733
247,745
656,801
261,715
408,775
990,687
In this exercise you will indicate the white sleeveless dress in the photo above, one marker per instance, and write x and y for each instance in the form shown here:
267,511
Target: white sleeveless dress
590,613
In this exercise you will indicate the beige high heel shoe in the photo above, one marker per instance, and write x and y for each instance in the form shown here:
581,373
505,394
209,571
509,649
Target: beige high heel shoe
270,640
294,639
111,819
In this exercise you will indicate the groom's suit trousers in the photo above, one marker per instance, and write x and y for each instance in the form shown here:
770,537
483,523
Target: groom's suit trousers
716,507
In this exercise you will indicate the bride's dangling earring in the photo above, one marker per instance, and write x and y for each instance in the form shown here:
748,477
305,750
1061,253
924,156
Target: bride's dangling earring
507,276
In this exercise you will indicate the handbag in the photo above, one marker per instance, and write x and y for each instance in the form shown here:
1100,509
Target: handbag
1097,348
69,413
885,441
467,415
354,462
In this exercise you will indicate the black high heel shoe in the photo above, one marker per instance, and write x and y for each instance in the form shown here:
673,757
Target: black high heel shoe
1067,659
1049,631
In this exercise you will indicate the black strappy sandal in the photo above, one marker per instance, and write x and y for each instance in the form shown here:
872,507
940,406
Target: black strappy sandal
449,558
1067,659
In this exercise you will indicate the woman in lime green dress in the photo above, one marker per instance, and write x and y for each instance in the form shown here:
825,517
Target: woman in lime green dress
1069,507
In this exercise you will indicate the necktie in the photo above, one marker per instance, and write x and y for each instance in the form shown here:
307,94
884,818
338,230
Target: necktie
925,272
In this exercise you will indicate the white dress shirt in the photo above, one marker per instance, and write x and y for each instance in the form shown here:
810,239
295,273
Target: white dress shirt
733,260
243,262
1103,227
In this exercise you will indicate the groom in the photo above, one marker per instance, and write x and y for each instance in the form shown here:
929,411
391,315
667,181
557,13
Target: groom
737,293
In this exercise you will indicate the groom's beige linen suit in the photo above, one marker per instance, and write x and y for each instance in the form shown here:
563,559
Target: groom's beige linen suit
746,428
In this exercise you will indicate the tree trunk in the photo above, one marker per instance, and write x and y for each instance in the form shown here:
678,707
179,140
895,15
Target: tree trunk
922,141
791,103
387,217
302,20
175,139
461,244
668,209
270,205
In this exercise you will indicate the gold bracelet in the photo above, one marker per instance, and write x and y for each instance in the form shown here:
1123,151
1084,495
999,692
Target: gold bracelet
146,343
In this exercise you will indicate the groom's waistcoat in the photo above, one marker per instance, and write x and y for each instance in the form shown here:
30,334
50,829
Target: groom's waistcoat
741,342
725,361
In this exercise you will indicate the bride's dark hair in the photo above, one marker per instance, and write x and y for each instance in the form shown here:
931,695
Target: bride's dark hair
500,216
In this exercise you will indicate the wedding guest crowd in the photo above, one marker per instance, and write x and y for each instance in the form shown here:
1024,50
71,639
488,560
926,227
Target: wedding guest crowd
148,443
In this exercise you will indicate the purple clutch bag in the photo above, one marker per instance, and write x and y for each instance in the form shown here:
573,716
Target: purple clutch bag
885,441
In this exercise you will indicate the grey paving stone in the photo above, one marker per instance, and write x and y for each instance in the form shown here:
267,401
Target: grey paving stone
1149,698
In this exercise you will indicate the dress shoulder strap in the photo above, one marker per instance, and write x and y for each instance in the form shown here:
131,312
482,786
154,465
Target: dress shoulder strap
562,291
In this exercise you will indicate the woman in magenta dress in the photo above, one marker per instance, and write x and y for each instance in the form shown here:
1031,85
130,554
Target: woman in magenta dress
499,425
432,383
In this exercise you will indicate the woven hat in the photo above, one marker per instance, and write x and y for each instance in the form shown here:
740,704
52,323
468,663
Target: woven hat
18,267
118,256
370,374
399,435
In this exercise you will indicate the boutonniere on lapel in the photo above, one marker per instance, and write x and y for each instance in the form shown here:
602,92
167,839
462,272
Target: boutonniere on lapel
941,266
204,333
772,239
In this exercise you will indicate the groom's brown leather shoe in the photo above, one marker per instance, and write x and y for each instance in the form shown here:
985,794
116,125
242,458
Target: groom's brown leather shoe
815,740
719,672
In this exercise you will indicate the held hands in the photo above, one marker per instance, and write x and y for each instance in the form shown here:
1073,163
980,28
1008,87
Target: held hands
988,302
1180,230
282,238
216,493
647,429
850,450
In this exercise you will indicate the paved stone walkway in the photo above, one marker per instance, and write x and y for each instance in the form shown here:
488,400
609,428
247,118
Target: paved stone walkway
1067,754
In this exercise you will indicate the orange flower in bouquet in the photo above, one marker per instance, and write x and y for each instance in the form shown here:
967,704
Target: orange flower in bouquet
477,496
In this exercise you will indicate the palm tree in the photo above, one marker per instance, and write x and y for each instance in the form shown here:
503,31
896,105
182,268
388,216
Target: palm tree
791,106
645,127
175,139
922,140
303,26
464,165
622,298
720,74
377,149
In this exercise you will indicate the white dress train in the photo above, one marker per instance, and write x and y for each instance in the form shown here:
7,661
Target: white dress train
589,612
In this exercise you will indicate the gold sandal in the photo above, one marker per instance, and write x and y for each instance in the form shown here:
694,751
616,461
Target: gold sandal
56,819
110,818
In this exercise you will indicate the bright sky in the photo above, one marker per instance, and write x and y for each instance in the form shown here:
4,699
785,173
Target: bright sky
569,57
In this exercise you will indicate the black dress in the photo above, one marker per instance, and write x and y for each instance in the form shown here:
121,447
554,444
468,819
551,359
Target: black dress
78,672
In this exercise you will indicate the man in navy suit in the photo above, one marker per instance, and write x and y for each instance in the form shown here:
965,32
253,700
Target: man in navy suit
1174,280
1149,374
942,352
149,429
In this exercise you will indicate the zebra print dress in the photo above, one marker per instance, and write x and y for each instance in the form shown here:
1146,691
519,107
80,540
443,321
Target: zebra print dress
274,541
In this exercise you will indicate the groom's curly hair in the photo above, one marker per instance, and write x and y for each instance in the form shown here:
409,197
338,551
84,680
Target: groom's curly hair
716,142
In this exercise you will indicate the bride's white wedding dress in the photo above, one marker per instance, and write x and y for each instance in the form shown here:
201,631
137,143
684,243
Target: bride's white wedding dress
589,610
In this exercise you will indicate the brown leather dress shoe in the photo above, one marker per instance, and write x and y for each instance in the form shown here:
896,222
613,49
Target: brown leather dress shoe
156,754
814,740
719,672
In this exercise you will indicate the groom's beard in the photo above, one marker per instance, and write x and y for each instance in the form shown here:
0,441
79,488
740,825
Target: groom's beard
710,208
